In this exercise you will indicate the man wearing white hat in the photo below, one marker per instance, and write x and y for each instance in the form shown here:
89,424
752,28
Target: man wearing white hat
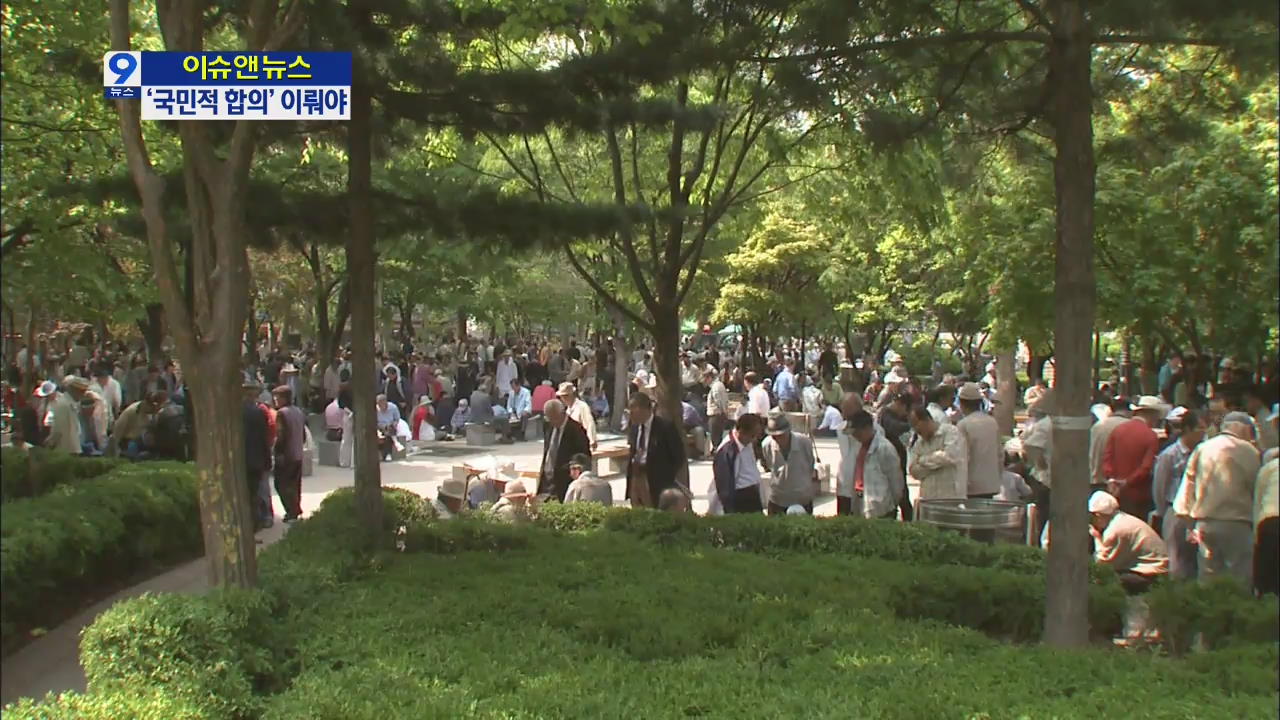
1126,543
514,504
579,411
1216,498
1130,456
63,419
449,499
982,436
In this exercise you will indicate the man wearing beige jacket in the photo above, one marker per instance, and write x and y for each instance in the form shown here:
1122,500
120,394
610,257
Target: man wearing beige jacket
1216,496
938,457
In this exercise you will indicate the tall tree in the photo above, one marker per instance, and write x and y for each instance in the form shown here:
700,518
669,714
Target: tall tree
688,127
207,333
1030,61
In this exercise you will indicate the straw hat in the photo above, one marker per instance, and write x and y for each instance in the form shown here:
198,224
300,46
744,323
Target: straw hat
454,488
515,488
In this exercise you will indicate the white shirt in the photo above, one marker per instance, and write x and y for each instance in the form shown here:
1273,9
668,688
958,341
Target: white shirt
506,372
581,412
757,402
747,473
1040,435
644,436
717,399
831,419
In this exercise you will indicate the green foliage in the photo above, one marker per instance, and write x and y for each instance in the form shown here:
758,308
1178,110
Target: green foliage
151,703
69,546
1221,614
564,610
218,653
772,281
34,472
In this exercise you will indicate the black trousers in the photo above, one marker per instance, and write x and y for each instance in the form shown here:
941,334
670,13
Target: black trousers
1266,557
288,476
844,506
716,426
746,500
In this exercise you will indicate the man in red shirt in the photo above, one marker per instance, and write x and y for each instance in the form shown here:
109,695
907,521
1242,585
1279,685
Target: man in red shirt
1130,456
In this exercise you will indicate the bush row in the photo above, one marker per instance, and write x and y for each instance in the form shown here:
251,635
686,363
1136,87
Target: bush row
418,632
34,472
70,544
908,543
221,654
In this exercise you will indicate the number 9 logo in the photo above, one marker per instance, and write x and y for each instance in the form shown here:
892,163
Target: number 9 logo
122,69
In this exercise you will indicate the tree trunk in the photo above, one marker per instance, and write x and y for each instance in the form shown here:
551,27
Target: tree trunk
804,327
29,372
1035,366
462,324
1067,585
1006,391
225,505
340,318
406,319
152,329
621,352
666,362
361,261
1097,358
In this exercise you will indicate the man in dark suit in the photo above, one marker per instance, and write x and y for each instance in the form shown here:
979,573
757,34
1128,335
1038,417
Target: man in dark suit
658,460
564,438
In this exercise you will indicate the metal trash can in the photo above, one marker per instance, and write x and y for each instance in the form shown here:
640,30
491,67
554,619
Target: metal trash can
978,518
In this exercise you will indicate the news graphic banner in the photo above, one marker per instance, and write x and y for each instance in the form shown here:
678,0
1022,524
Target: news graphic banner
231,85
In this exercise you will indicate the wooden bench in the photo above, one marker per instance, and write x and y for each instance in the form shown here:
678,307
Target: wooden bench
610,461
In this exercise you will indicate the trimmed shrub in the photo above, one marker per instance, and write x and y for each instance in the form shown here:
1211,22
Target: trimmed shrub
64,548
153,703
912,543
217,653
1221,613
34,472
321,552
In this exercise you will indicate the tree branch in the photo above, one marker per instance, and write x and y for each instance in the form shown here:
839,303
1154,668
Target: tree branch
151,189
604,294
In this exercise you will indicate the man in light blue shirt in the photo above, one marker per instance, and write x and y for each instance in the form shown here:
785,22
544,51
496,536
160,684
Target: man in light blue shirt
519,408
784,386
1166,479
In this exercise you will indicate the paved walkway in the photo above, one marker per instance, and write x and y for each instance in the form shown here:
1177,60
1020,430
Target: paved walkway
51,663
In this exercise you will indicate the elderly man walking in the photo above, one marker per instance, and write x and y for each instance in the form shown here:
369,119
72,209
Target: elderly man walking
1216,500
790,458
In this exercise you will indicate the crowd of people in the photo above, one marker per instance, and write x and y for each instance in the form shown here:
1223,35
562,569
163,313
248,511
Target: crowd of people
1184,476
103,399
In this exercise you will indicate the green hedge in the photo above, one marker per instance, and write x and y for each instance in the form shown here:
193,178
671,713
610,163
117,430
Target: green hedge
482,619
34,472
58,549
219,653
909,543
1219,614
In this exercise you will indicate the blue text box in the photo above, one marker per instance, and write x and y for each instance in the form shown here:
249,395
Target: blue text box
208,69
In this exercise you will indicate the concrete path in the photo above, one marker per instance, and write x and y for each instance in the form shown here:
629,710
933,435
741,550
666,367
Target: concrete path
51,663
